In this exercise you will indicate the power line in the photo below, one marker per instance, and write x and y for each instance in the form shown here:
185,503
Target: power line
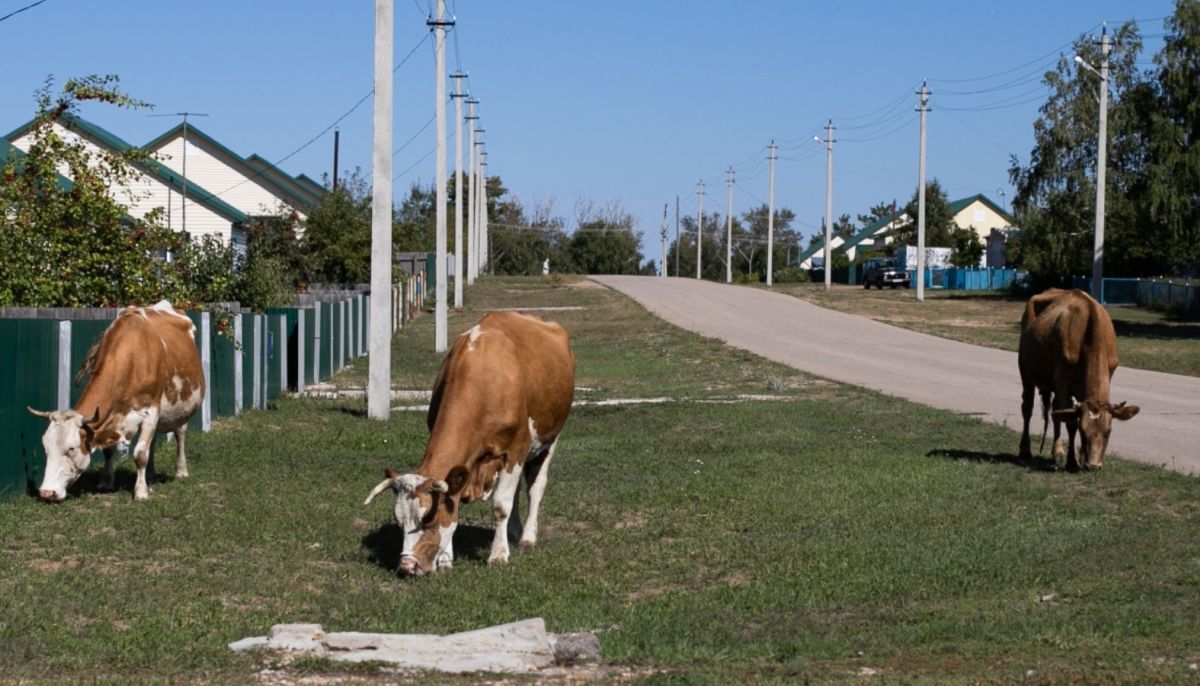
26,7
901,127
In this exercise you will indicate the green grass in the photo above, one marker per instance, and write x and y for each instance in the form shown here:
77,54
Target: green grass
1146,339
772,541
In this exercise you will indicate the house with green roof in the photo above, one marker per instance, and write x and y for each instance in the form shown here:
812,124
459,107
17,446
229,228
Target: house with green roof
254,186
10,153
311,185
153,185
976,212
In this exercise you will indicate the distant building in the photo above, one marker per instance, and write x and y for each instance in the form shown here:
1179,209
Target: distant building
976,212
224,190
154,185
252,185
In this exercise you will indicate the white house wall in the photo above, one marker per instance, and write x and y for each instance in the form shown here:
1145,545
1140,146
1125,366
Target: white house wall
147,193
981,218
210,172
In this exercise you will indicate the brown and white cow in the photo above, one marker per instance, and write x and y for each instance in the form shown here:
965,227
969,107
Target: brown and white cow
146,376
1068,354
499,403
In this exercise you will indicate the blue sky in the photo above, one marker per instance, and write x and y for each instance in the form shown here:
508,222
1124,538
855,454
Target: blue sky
613,100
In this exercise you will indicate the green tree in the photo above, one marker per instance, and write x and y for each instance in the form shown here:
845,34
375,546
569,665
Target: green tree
844,228
1055,192
878,211
712,247
939,221
336,247
72,243
1173,186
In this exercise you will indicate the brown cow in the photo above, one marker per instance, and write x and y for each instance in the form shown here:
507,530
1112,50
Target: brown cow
499,403
146,376
1068,354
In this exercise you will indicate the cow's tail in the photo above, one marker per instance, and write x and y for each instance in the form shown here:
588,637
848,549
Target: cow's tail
89,362
1045,420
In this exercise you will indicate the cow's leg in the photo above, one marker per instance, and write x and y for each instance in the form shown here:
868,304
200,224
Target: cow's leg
109,482
1071,457
502,497
445,557
1027,393
536,476
181,470
141,452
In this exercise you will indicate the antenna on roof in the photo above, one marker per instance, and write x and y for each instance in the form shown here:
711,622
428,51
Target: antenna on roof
183,204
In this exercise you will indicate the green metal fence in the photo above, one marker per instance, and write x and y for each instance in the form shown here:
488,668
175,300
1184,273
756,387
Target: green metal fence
248,361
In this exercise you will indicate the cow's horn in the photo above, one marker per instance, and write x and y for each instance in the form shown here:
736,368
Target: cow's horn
439,486
383,486
38,413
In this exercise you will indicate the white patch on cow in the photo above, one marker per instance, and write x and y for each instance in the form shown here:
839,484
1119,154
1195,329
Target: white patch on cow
163,306
445,556
473,335
535,441
65,459
174,414
164,343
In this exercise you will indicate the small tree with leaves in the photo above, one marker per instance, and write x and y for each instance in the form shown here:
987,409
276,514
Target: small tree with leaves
70,243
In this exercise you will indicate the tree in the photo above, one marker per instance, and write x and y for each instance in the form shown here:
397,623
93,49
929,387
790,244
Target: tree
939,221
1055,193
336,246
751,243
878,212
844,228
1174,168
712,247
71,243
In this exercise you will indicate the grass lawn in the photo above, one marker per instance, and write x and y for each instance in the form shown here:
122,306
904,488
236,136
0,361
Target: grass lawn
822,535
1146,339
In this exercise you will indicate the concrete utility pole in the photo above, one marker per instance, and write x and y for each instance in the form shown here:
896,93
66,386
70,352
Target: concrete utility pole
699,224
1101,164
459,262
379,362
472,239
477,183
729,225
829,141
183,186
484,243
662,272
771,214
439,24
924,93
678,248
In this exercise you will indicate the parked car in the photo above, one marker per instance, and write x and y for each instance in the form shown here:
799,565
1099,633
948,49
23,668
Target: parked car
880,271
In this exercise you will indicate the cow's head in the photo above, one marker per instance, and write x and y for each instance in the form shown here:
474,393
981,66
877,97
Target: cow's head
1094,420
427,512
68,442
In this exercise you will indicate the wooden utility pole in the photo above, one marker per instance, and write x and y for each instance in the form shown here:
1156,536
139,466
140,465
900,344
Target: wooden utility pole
379,362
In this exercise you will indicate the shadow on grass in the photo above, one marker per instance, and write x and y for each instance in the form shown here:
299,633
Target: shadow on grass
387,542
1157,330
1036,464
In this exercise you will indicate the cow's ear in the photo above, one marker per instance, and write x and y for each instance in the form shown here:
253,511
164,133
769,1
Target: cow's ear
1124,412
456,480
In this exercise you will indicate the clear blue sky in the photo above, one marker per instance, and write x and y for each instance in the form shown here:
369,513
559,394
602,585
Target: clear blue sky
626,100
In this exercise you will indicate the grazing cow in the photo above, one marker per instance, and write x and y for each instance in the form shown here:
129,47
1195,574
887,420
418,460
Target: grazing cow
499,403
146,375
1068,354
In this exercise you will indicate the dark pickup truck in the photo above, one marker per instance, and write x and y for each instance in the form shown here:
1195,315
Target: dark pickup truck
878,272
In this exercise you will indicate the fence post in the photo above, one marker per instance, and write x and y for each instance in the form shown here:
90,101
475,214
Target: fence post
300,359
257,374
63,400
316,356
206,365
238,348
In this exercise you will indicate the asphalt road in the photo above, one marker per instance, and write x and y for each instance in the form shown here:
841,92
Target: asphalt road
932,371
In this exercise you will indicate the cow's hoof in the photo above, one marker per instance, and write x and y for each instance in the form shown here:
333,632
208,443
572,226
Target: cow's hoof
141,495
181,474
498,558
526,545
